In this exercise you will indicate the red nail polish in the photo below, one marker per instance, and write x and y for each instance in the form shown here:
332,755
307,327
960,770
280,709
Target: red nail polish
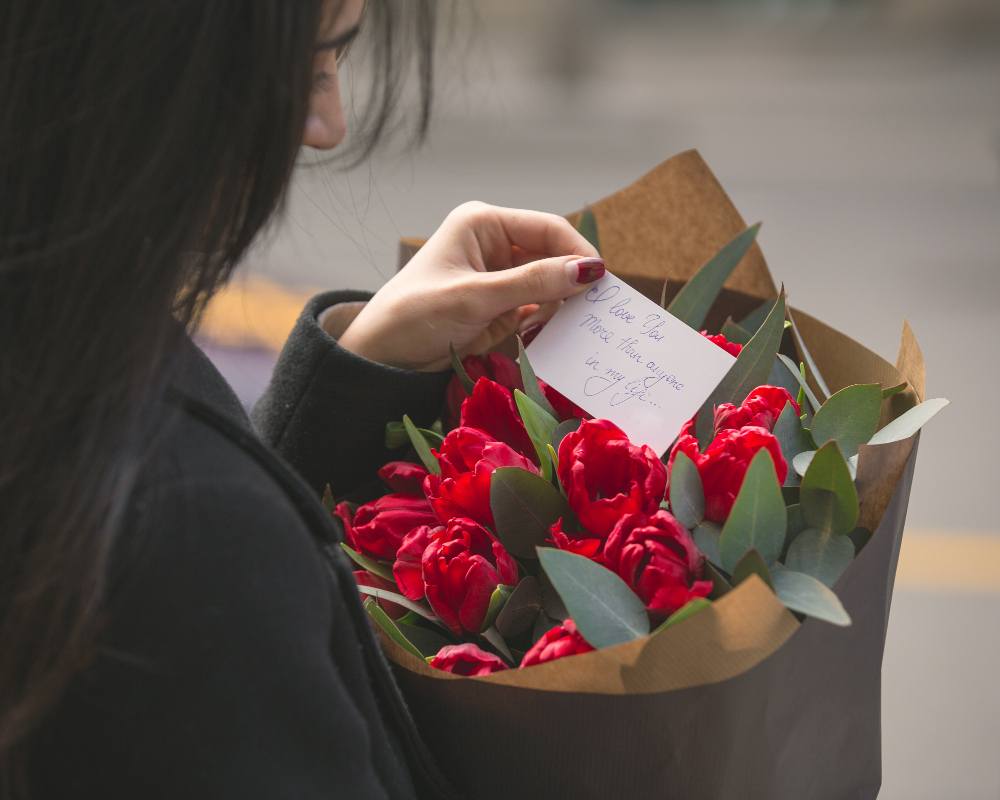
528,334
589,269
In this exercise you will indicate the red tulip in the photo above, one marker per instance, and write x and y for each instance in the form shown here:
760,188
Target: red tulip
565,408
563,640
377,529
404,477
468,457
762,408
467,659
606,476
730,347
495,366
462,566
408,569
492,410
656,556
723,465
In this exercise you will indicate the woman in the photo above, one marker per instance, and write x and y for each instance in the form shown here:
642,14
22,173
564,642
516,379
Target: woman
175,618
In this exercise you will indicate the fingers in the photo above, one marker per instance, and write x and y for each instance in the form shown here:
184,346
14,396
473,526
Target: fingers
544,281
505,231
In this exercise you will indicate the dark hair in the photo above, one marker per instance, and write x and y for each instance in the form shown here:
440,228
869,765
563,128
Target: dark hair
143,146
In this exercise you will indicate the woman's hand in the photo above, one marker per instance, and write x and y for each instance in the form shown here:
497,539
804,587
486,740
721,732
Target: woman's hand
484,274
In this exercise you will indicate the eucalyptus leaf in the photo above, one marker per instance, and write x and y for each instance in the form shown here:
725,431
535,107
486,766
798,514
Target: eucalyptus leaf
802,461
904,426
795,526
428,642
531,385
381,568
687,497
822,556
524,507
734,333
793,439
686,611
463,377
386,624
828,497
887,393
752,563
540,426
849,417
543,625
720,585
706,535
751,322
606,611
587,227
805,594
420,445
791,494
758,518
807,357
498,599
810,395
563,429
782,376
521,609
752,368
492,635
693,301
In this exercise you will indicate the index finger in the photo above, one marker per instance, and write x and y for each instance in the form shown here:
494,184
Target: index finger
540,234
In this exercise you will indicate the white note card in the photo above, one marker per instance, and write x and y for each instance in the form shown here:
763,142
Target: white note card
621,357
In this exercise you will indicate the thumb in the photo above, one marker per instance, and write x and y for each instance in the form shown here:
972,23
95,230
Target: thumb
544,281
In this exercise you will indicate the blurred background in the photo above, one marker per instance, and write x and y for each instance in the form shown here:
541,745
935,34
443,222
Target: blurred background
865,134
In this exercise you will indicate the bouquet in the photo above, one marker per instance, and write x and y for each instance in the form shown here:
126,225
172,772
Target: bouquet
570,614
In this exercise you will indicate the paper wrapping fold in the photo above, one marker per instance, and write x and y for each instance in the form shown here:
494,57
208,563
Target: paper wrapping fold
740,701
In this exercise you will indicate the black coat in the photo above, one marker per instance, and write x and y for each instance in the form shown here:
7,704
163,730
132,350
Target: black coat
236,660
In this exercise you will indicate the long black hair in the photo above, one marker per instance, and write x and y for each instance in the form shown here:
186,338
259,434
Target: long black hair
143,146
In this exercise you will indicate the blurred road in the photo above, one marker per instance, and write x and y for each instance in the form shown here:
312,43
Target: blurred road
871,151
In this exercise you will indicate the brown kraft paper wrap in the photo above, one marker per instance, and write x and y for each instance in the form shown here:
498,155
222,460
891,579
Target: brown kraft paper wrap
741,700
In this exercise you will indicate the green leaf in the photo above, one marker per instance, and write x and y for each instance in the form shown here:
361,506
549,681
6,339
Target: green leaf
807,357
663,294
420,445
684,612
498,599
793,439
401,600
751,322
541,426
849,417
463,377
904,426
396,435
734,333
805,594
752,368
328,502
693,301
752,563
706,537
828,497
381,568
780,376
720,586
758,518
521,609
492,635
887,393
795,526
687,497
822,556
531,386
390,628
605,610
587,226
426,641
563,430
810,395
524,507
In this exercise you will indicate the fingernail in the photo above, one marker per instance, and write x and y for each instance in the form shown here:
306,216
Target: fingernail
528,334
587,270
